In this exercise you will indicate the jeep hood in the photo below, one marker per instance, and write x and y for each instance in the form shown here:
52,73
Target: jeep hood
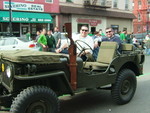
29,56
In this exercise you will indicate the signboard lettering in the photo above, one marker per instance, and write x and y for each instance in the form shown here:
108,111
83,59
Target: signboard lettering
17,19
24,6
92,22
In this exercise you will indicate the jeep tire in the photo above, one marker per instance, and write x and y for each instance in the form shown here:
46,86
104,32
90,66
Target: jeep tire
35,99
124,88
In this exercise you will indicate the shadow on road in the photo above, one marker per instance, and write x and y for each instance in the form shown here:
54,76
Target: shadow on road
80,102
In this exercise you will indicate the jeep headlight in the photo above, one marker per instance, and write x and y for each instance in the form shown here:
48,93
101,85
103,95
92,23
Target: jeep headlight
8,71
3,67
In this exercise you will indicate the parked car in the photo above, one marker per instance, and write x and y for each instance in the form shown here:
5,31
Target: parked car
13,43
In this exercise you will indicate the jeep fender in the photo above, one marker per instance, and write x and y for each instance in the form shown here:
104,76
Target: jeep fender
56,80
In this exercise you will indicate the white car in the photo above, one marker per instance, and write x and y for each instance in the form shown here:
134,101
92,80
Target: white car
14,43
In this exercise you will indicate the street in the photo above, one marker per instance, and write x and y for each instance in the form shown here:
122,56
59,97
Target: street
99,101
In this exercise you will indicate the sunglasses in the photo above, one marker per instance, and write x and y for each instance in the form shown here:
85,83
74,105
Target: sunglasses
108,31
84,30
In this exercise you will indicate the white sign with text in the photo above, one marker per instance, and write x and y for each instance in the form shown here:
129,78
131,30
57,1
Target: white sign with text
24,6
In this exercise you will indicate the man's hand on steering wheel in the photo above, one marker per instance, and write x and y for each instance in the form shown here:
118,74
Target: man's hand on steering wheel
82,49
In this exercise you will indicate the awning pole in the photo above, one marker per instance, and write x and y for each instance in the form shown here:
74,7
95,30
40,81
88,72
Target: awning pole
10,16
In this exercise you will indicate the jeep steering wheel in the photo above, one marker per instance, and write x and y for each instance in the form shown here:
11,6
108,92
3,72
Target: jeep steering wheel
81,48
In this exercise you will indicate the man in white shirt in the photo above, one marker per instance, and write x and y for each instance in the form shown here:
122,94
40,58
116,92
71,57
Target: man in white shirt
84,41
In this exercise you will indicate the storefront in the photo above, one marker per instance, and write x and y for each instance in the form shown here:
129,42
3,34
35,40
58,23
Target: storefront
74,17
22,22
93,22
27,15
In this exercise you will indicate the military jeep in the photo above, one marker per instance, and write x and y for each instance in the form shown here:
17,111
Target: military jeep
32,81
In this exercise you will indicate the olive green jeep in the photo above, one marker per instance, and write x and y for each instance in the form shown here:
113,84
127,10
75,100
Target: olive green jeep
32,81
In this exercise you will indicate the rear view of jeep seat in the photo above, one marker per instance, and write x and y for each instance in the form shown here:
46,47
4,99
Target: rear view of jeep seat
106,54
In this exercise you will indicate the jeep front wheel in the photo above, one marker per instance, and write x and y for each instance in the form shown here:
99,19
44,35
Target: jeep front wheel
35,99
124,88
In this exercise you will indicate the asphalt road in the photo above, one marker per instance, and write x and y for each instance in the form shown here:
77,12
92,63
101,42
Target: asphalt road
99,101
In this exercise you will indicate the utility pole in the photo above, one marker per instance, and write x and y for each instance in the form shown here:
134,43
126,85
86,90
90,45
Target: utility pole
10,18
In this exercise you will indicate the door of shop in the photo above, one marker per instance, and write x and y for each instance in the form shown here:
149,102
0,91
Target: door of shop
68,29
24,29
115,28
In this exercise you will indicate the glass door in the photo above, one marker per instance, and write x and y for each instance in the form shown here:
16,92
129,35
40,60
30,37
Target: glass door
24,29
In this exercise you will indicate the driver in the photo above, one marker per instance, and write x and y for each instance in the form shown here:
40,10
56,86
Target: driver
85,43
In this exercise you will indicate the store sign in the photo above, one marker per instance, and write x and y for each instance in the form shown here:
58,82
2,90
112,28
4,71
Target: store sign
24,6
28,20
92,22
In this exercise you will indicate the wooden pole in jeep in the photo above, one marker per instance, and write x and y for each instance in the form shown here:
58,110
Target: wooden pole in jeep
73,64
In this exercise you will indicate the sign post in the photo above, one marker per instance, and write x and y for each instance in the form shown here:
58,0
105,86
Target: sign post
10,17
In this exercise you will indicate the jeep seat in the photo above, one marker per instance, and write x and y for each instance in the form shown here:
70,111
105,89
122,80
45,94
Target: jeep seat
126,48
106,54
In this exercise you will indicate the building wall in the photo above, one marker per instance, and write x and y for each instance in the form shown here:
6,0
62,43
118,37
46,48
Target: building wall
122,23
98,26
121,3
36,6
74,1
141,25
48,7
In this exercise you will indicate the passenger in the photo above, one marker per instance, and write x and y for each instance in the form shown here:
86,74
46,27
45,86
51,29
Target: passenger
50,41
81,38
112,38
43,41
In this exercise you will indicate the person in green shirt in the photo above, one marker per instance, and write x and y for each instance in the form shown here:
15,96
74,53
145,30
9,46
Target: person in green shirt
43,41
28,35
50,41
129,38
123,36
101,32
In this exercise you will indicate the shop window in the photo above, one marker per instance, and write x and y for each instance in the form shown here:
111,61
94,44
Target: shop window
16,29
49,1
4,29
